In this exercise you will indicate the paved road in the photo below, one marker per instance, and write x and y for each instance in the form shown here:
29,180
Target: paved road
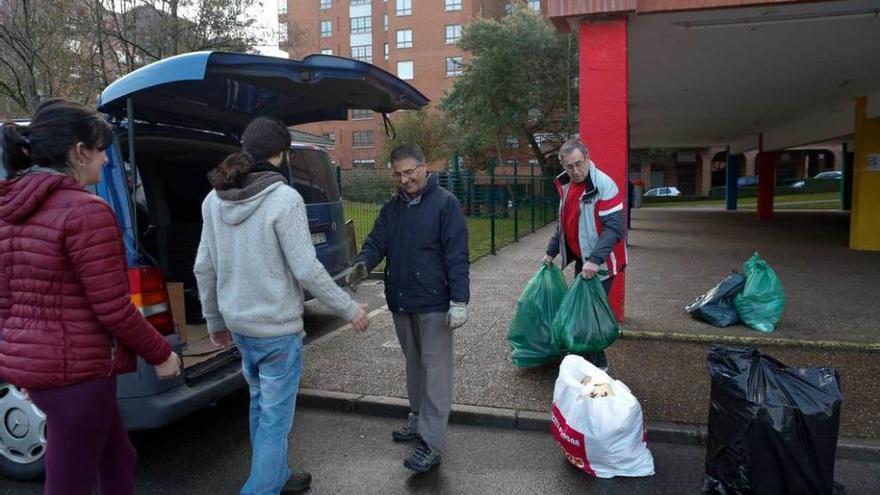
207,453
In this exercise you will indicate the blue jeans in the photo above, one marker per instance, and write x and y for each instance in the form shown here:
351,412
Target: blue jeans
272,368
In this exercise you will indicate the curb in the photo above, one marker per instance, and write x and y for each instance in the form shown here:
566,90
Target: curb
856,449
686,338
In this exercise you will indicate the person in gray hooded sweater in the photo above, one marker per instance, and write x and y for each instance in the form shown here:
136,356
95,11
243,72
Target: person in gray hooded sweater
254,260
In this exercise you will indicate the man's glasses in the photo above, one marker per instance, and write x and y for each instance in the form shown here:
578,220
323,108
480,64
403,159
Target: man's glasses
579,165
406,173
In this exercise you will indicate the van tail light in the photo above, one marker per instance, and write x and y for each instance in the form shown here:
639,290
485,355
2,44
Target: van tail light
149,294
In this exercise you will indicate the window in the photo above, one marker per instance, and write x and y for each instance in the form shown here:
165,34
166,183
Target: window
453,5
326,29
371,164
332,137
282,33
535,5
509,7
327,51
512,142
360,2
404,7
404,38
361,139
386,51
385,22
361,25
325,4
453,33
454,66
282,7
358,113
313,176
363,53
405,69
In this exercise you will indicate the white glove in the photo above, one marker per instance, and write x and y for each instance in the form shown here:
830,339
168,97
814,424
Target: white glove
457,315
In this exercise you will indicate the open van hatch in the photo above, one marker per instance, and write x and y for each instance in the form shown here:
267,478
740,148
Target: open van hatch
223,92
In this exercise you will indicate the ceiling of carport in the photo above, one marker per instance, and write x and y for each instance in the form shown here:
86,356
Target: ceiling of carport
721,76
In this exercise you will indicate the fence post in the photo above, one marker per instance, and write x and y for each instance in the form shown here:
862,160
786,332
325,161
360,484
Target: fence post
533,193
544,200
515,201
339,179
453,175
492,206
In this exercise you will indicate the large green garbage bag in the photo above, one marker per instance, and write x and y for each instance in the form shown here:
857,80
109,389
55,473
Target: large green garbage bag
762,300
585,321
529,331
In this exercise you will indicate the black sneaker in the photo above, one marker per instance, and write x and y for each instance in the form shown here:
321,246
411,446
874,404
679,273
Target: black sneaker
405,434
423,459
298,482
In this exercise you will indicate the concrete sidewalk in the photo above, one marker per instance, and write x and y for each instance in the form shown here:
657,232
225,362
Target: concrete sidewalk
678,254
661,356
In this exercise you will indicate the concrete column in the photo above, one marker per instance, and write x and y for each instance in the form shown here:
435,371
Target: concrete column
705,172
750,162
863,232
604,111
646,173
838,156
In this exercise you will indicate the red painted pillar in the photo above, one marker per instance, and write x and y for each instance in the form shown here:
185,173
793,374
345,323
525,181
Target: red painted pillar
604,111
765,162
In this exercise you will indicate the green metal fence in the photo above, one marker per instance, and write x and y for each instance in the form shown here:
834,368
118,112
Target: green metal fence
499,208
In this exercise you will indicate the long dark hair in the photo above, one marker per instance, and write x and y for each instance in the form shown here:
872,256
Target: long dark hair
263,138
56,126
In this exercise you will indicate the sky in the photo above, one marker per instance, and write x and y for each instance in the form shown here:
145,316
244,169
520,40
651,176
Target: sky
266,13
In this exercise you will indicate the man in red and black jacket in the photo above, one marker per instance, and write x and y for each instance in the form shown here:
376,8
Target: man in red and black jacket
591,224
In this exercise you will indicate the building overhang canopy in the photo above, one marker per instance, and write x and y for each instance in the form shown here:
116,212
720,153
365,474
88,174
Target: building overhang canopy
703,75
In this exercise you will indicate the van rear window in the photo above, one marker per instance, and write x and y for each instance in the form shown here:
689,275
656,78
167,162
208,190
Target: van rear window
314,177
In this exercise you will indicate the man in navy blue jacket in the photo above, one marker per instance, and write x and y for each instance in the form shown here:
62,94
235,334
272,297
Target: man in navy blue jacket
423,237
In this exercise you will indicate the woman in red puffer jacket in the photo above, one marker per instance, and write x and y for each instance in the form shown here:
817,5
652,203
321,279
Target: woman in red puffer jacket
68,324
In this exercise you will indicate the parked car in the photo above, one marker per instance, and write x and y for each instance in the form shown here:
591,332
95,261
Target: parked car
663,192
189,112
747,180
827,175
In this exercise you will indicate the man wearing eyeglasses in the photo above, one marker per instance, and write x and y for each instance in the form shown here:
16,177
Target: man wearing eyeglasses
422,235
591,223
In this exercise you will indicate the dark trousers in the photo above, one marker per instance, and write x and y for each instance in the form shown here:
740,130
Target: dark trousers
597,358
426,341
87,442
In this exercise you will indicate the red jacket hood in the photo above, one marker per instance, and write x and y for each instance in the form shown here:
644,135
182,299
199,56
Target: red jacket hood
21,197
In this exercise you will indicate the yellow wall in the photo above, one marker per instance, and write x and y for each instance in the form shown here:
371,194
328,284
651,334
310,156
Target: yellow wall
864,232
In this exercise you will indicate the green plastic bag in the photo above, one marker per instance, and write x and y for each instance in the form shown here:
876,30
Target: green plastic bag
529,331
761,302
585,321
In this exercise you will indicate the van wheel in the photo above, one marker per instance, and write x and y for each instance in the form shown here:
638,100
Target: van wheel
22,435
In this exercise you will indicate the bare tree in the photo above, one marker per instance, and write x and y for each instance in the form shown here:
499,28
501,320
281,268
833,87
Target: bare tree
39,52
73,48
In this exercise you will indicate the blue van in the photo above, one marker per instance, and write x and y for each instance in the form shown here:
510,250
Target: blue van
174,120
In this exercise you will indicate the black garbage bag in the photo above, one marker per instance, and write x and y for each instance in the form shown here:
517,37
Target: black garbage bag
716,306
772,429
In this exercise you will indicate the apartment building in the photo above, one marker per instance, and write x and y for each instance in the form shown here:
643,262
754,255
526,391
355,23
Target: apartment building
417,40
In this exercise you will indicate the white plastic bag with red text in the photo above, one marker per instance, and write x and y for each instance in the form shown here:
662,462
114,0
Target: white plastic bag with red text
598,422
